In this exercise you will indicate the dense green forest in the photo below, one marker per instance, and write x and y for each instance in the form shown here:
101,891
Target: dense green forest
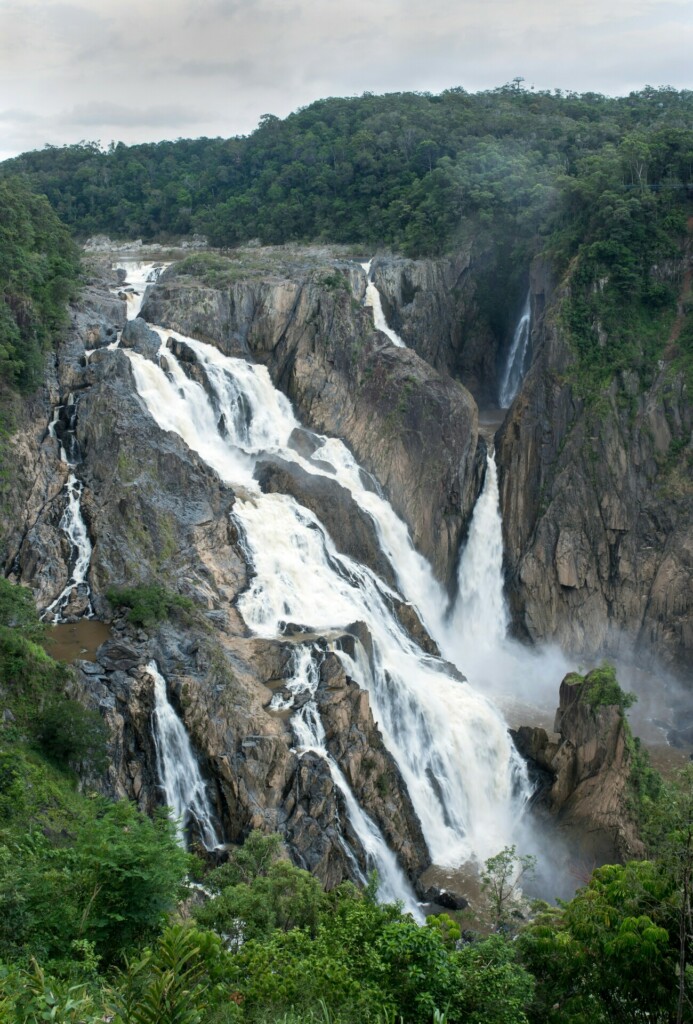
404,169
38,273
100,920
603,186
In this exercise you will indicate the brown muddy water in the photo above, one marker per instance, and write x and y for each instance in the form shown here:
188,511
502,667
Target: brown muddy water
68,641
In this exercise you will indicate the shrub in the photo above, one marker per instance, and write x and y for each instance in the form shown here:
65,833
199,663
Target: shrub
148,604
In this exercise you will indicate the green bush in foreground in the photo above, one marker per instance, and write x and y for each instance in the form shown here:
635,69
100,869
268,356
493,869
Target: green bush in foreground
148,604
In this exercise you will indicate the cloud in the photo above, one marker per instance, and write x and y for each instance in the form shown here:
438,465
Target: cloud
155,70
114,115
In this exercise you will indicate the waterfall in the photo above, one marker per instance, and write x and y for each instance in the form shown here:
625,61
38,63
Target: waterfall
372,300
310,736
480,616
465,780
515,367
71,522
139,275
179,773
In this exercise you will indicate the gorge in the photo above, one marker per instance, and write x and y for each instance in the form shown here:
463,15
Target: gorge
343,589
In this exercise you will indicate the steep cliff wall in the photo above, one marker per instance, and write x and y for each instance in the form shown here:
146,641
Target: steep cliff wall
597,503
453,311
412,427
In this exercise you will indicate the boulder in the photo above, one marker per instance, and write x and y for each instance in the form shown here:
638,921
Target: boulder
140,338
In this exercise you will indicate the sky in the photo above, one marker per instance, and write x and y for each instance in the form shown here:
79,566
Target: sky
145,70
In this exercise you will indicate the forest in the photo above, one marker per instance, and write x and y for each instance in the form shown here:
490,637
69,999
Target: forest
600,186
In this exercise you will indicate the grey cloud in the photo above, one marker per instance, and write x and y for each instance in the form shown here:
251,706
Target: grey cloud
117,115
216,68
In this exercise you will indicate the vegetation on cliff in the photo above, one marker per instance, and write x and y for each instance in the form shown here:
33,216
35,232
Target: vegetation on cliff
38,272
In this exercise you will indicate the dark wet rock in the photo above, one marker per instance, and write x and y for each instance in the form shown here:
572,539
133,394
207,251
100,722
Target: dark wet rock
354,741
589,764
596,514
444,898
141,338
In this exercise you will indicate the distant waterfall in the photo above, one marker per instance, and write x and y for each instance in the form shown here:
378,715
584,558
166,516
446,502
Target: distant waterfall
515,366
464,777
179,772
310,735
480,618
71,522
134,287
373,300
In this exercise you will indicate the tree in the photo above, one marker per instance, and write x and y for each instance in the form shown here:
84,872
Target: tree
501,881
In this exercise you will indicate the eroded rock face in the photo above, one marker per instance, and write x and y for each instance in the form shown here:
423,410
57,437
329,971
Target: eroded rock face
414,429
432,305
596,512
589,764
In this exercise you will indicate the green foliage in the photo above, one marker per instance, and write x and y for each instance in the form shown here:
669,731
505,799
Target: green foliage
118,873
38,272
178,981
501,881
602,688
610,954
494,988
284,898
18,611
29,996
72,736
602,185
148,604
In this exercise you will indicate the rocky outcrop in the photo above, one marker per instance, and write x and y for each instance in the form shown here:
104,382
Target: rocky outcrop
431,305
597,506
137,336
589,769
354,741
414,429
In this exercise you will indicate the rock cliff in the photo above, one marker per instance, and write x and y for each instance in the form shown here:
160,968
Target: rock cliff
589,765
597,504
434,305
414,429
155,511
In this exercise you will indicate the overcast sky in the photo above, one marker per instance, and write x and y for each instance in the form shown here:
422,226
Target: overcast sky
144,70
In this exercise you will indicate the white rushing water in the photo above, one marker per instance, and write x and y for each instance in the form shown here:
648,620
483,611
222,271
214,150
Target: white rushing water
310,736
466,781
139,275
179,772
480,617
72,524
517,355
373,300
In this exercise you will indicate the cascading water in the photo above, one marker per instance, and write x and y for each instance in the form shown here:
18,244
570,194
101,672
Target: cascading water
179,773
466,782
515,366
480,617
139,275
372,300
72,523
310,736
